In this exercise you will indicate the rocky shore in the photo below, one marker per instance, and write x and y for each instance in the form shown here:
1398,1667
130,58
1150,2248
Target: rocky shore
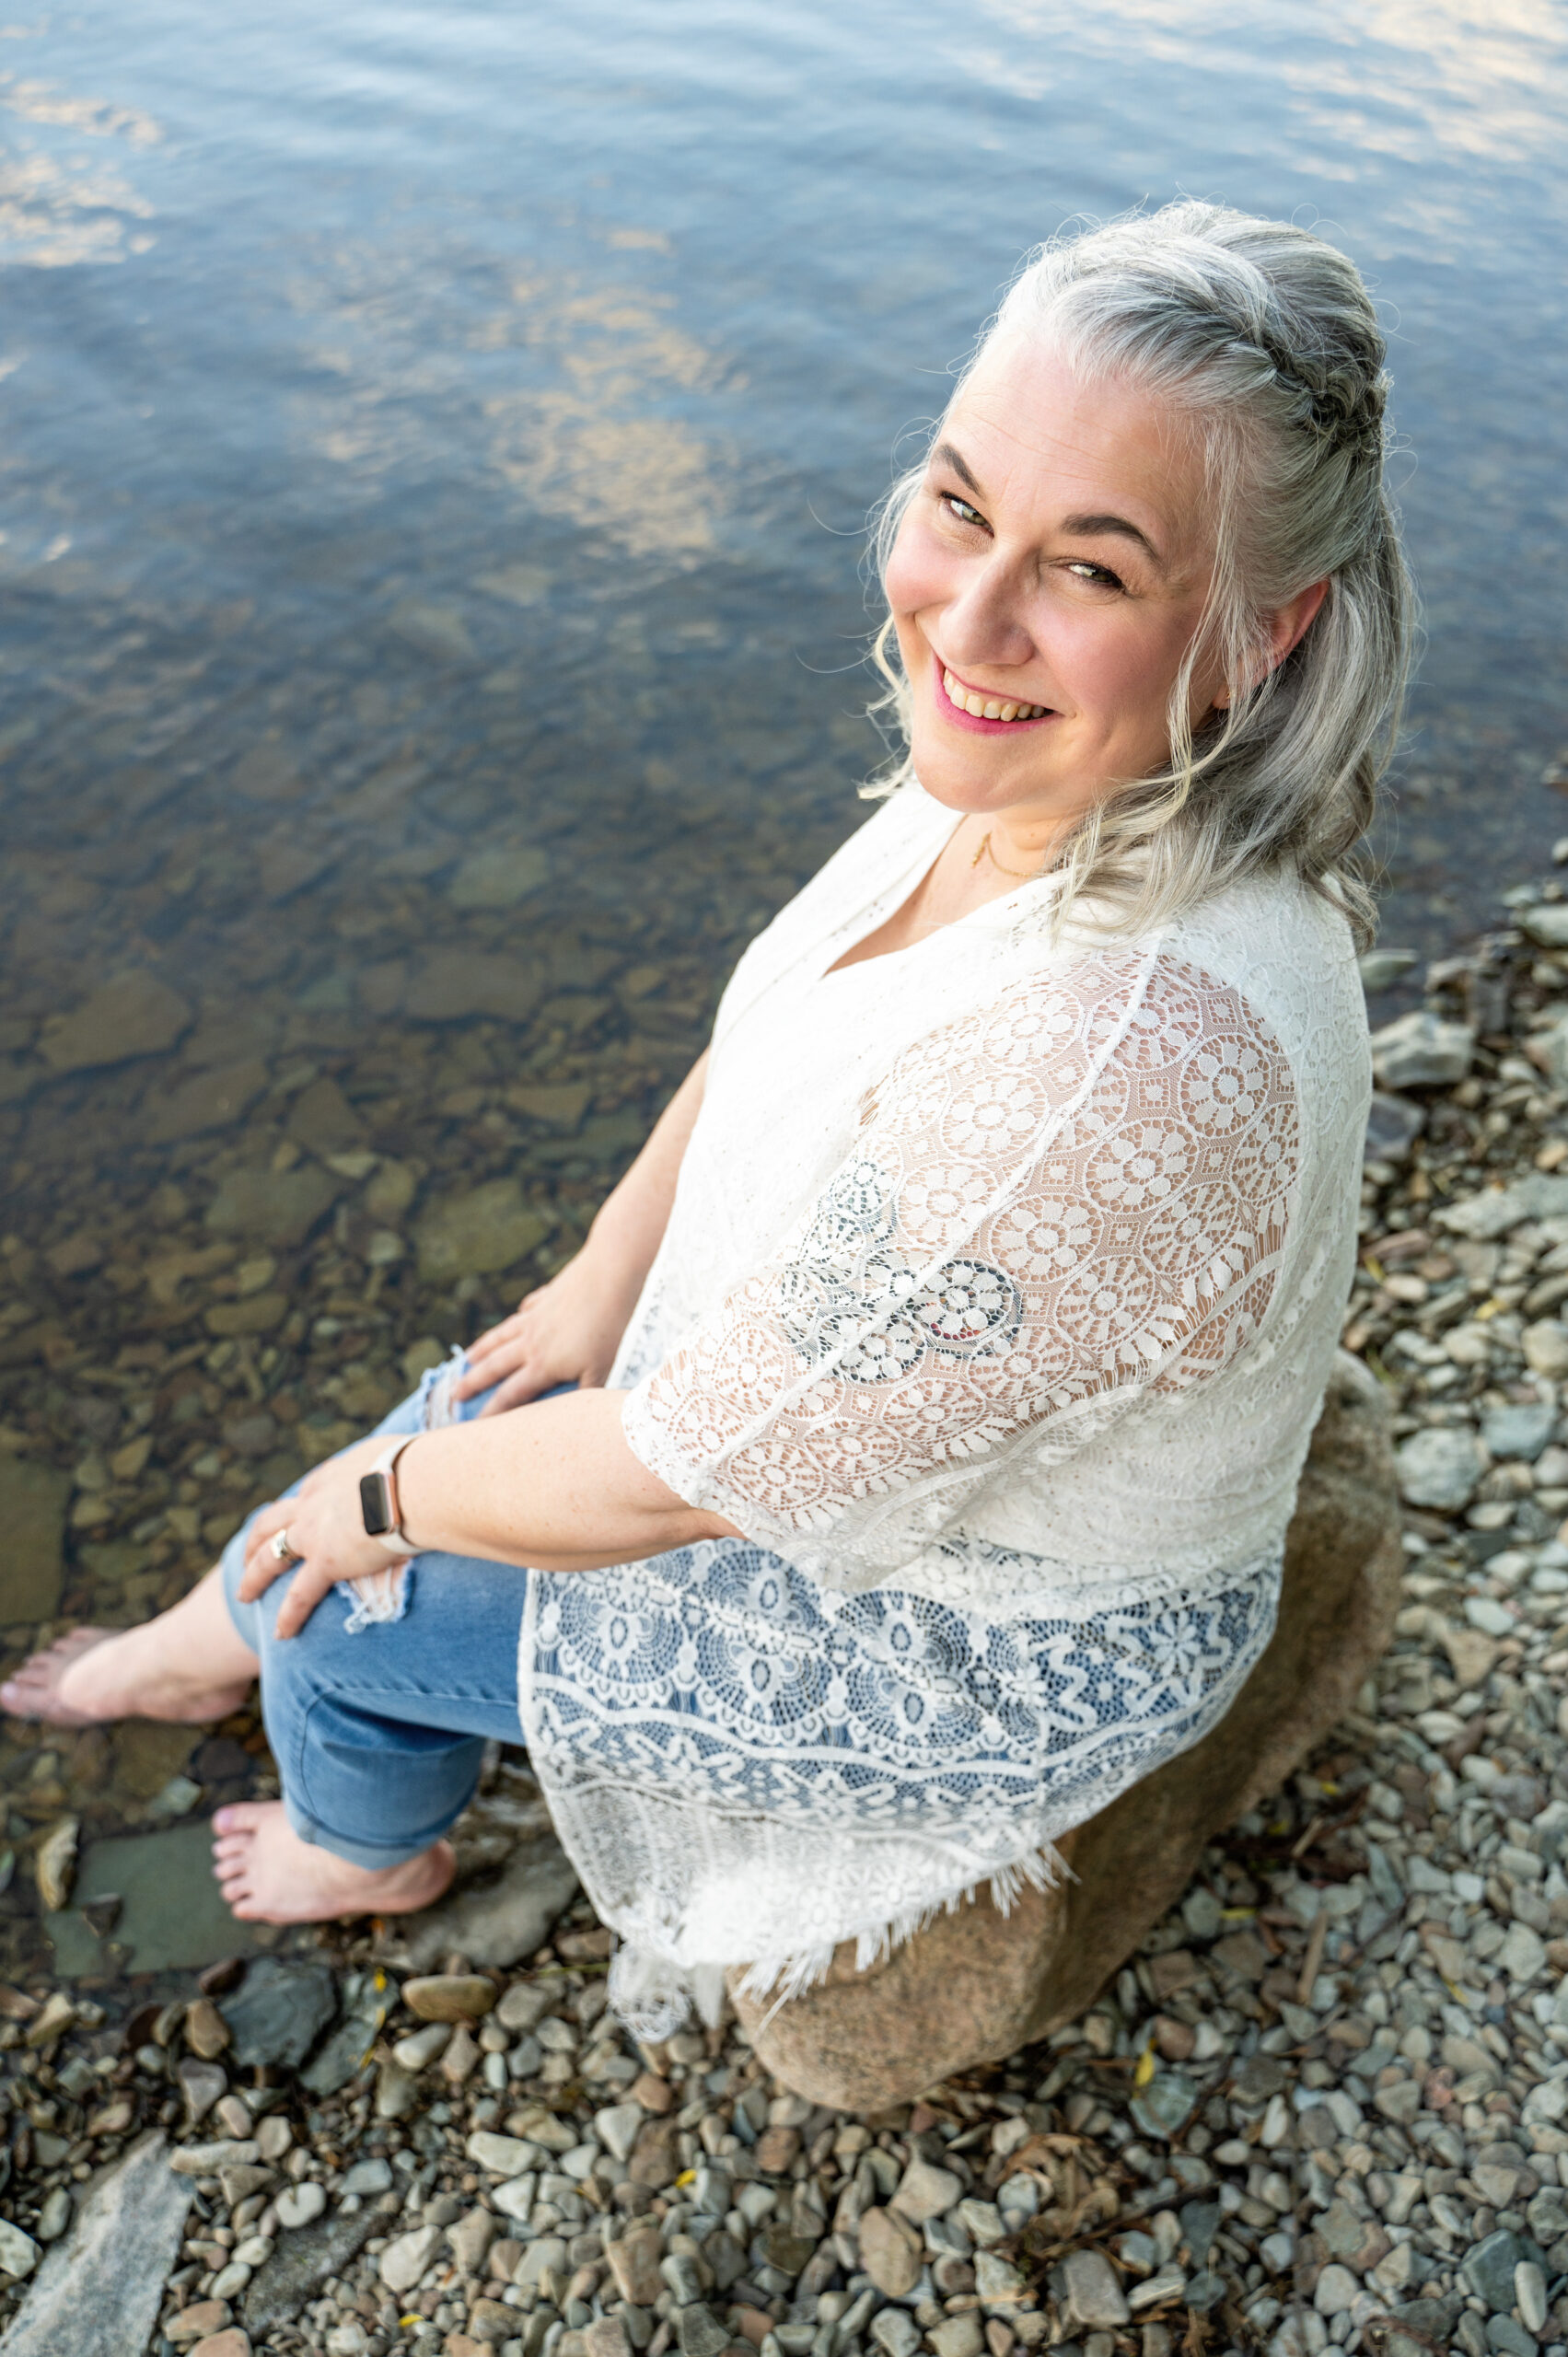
1324,2107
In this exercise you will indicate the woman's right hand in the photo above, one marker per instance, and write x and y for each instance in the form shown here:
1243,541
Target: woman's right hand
566,1331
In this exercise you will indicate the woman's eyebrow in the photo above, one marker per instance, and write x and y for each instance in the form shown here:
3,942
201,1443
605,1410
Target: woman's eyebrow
1090,527
946,454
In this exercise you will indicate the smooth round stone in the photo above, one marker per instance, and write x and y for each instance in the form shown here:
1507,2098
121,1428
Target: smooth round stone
450,1996
300,2203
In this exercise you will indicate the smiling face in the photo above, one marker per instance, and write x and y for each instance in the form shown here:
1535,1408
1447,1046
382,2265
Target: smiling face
1046,583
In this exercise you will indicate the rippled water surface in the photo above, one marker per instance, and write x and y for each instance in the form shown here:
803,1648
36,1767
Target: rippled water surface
436,444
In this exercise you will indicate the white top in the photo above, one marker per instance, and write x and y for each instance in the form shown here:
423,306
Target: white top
997,1302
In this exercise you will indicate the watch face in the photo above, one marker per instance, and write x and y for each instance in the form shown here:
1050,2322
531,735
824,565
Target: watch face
376,1503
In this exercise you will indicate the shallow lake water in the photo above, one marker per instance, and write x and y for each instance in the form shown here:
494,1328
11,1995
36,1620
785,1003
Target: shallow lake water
437,447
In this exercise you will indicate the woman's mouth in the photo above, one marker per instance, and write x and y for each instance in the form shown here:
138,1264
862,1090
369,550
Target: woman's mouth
972,708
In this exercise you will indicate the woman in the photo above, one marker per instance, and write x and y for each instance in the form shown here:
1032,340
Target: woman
903,1465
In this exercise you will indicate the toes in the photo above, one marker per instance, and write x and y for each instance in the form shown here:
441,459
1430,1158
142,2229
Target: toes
243,1816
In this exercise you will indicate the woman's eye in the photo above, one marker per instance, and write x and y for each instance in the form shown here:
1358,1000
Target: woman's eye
961,510
1100,574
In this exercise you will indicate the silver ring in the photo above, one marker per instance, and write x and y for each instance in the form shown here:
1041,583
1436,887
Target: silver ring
282,1551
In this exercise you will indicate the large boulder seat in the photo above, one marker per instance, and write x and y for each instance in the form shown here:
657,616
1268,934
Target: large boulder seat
977,1985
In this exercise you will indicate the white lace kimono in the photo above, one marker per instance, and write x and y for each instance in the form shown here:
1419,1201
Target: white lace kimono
995,1308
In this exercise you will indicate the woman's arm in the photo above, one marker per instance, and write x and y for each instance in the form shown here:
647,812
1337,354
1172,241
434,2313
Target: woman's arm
555,1487
569,1331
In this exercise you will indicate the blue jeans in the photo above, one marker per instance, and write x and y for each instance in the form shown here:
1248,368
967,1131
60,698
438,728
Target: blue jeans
380,1734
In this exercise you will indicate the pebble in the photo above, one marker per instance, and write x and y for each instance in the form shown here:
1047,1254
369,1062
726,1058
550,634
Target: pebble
1094,2296
300,2203
450,1996
19,2252
406,2258
925,2192
892,2252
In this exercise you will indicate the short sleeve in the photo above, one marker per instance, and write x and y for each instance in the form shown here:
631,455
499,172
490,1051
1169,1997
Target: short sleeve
1074,1195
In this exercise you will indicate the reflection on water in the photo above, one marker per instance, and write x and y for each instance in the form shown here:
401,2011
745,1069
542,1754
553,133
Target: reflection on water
436,446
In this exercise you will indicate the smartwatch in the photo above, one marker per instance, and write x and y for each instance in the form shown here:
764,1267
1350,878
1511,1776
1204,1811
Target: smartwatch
379,1501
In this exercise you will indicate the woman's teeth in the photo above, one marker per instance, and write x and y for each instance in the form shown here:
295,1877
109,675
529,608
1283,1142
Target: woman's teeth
988,707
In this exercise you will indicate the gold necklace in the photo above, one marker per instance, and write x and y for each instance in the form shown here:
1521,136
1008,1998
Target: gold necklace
1020,874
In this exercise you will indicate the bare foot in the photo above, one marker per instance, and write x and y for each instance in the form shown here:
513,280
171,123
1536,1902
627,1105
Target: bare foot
34,1692
191,1665
269,1876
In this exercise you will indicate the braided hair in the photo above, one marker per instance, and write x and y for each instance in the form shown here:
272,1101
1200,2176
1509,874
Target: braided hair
1265,337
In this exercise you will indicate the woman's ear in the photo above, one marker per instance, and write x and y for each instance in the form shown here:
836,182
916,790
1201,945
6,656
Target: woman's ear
1288,627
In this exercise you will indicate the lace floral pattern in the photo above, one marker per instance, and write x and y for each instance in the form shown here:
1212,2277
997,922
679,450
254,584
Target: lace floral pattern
1082,1187
908,1748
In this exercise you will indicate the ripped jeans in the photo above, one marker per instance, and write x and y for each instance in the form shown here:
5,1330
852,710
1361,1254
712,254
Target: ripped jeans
379,1723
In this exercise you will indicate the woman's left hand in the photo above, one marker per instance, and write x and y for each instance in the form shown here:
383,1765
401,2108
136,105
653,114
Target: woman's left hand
326,1528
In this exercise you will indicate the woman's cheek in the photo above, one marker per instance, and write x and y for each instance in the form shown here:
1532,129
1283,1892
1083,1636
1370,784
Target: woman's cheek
918,573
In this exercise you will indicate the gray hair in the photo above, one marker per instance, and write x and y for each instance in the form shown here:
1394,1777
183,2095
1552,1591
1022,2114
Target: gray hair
1266,338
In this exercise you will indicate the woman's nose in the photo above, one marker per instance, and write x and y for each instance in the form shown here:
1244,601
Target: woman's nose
984,623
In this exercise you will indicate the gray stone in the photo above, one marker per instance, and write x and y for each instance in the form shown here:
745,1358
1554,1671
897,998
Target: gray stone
366,2177
1381,967
1491,1214
548,2256
1544,922
1393,1125
698,2332
479,1233
1489,2270
1519,1432
273,1206
423,2046
926,2192
299,2205
1505,2333
97,2293
1530,2293
201,2084
278,2012
996,2278
367,1999
1165,2105
300,2261
1092,2294
19,2252
406,2257
894,2332
1422,1051
494,1923
33,1500
503,2155
617,2129
470,2239
1439,1468
1545,1346
1523,1952
172,1916
959,2336
136,1015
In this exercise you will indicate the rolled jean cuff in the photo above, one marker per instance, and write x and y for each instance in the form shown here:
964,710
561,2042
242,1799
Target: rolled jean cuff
376,1856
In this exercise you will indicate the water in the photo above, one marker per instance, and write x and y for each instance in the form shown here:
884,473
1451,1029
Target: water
436,429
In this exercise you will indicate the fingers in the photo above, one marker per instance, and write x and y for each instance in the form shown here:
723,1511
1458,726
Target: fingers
487,1363
309,1584
261,1565
516,1392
